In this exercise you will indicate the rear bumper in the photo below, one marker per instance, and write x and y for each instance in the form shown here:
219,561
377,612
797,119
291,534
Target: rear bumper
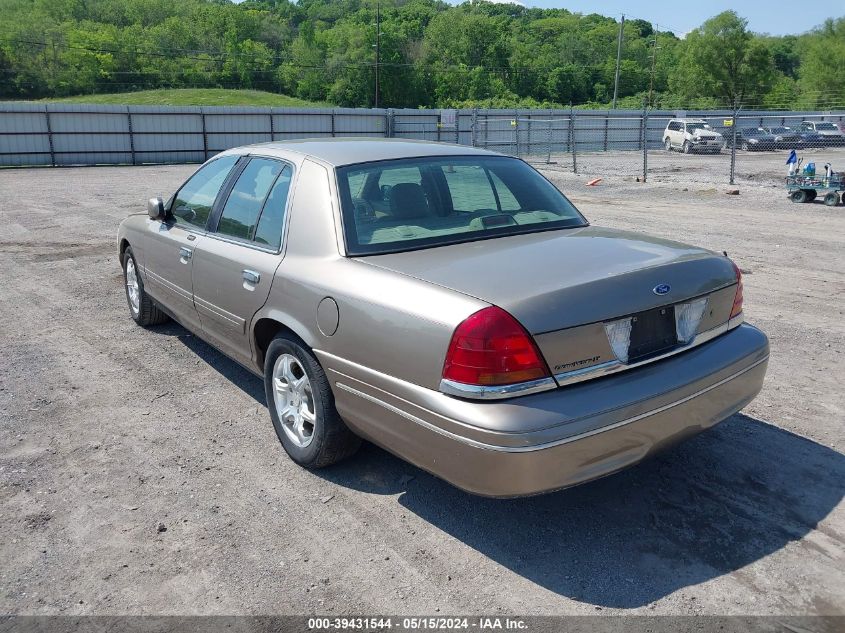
552,440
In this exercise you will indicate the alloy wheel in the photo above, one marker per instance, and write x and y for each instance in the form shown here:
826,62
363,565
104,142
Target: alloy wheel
294,400
133,288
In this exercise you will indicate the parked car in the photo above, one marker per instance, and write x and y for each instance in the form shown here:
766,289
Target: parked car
810,138
755,138
784,137
689,135
831,135
448,304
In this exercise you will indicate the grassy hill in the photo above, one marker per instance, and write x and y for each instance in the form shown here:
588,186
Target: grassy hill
195,97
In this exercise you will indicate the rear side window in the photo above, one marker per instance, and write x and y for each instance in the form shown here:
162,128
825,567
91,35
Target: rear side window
193,203
272,220
243,207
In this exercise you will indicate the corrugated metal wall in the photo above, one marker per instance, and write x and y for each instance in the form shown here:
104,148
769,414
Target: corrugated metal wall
74,134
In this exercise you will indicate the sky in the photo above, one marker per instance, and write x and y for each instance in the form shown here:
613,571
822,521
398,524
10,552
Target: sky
777,17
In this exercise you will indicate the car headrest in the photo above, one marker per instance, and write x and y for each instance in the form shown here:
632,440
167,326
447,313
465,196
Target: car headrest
407,201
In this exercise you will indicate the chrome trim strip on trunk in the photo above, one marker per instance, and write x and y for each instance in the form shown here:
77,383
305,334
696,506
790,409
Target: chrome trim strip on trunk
496,392
614,366
537,447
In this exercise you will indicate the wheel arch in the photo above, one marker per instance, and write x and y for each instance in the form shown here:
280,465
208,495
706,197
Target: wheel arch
266,327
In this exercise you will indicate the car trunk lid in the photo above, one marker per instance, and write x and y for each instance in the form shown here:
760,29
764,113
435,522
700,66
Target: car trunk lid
564,286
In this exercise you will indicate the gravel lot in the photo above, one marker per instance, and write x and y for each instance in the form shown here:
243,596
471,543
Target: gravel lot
139,471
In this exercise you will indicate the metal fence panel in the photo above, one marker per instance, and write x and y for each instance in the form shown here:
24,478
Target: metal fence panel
591,142
24,137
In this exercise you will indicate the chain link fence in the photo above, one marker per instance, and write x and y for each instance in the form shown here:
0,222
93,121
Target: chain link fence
707,147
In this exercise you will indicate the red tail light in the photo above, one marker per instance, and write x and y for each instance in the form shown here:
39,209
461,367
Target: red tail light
737,307
492,348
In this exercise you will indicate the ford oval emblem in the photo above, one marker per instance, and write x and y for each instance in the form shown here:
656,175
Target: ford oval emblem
662,289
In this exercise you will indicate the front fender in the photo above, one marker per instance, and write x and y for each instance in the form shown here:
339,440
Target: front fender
132,232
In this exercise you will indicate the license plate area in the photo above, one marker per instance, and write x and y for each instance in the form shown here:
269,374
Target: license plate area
652,333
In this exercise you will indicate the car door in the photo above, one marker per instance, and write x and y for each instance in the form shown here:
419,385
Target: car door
677,134
671,133
234,267
171,243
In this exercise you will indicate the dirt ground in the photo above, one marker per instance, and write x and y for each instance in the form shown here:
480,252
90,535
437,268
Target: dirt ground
140,474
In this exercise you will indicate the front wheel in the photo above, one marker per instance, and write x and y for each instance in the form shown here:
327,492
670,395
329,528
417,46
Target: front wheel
302,407
831,199
142,308
745,147
686,147
668,145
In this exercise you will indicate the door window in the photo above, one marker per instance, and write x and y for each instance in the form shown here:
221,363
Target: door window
243,207
269,230
193,203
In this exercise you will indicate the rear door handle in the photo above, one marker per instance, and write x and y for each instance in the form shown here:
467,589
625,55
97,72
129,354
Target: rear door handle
185,254
251,277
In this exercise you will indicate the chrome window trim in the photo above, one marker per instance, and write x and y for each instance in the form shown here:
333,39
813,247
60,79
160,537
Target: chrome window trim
496,392
214,235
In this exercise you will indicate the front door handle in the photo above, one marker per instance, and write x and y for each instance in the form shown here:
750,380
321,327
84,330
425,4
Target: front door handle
185,254
251,277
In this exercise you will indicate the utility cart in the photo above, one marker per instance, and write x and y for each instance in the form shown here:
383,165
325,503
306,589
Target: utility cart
807,188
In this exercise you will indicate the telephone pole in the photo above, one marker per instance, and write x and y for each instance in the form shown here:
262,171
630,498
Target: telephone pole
654,48
378,47
618,59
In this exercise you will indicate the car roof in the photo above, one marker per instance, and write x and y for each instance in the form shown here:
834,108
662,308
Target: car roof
689,120
340,151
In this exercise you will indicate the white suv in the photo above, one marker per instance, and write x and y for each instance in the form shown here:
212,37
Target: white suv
690,135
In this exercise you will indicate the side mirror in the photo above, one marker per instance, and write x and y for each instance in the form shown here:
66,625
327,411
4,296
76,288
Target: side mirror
155,208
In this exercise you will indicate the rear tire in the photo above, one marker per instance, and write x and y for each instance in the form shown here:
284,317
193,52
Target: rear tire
668,145
142,308
831,199
301,405
745,147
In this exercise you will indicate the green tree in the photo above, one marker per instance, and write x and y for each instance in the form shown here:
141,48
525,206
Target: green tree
722,58
822,69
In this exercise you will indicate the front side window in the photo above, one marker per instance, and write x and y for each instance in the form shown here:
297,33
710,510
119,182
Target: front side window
825,126
192,205
413,203
243,207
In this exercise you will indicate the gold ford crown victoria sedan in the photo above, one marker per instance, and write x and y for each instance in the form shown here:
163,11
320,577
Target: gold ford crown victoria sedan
448,304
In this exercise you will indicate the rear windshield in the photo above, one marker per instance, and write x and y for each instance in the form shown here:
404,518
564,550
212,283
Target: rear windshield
399,205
